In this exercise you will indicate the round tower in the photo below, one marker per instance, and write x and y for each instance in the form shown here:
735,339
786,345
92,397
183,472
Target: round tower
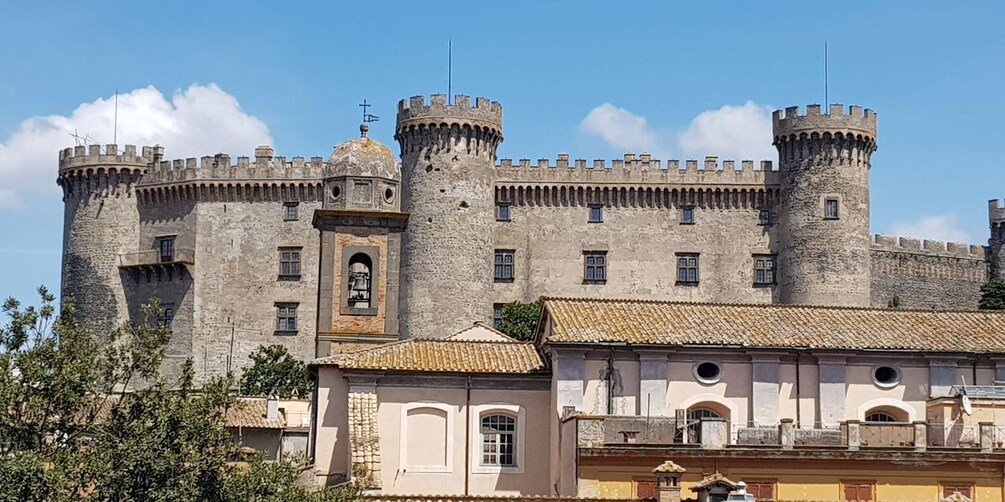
996,244
448,155
823,240
100,225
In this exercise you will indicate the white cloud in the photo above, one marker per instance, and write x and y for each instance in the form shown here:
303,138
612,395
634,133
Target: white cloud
201,120
620,128
730,132
943,227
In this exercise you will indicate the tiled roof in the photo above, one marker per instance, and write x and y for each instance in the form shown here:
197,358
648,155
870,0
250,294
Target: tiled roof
443,355
250,413
770,326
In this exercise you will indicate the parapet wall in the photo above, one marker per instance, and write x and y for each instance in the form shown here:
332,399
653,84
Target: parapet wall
855,120
92,155
484,110
642,169
929,247
219,167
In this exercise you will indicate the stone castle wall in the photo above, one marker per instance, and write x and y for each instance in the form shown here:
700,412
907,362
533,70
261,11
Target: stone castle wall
927,274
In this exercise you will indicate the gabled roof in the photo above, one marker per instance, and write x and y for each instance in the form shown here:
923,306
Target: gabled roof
482,333
584,321
250,412
464,354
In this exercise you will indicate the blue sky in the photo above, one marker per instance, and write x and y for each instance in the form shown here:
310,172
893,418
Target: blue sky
588,78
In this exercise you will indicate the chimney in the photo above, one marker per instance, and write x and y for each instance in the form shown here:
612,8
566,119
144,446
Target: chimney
272,407
668,475
264,153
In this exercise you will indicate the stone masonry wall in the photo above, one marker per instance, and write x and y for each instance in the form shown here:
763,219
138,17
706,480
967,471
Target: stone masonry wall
927,274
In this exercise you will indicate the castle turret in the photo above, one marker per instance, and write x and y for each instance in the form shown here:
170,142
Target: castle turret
100,226
447,154
996,220
823,248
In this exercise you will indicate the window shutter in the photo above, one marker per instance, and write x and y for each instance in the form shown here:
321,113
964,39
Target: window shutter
645,490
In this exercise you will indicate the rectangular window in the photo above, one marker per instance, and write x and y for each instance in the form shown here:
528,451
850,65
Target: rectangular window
687,268
167,315
687,215
761,490
497,314
858,491
764,217
504,265
595,267
290,211
831,209
502,212
764,269
166,247
499,440
286,318
289,263
948,489
596,213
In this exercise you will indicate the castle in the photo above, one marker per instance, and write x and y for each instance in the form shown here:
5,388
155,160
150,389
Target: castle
367,247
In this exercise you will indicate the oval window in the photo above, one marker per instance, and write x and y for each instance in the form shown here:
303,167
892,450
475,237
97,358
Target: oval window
707,372
886,376
336,192
389,195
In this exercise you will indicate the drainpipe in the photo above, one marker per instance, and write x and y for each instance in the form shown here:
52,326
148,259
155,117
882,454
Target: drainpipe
467,435
798,414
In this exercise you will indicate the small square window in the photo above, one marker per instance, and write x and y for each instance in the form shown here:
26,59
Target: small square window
166,247
594,267
502,212
497,314
289,263
596,213
290,211
764,269
687,215
504,265
687,269
831,209
286,318
167,315
764,217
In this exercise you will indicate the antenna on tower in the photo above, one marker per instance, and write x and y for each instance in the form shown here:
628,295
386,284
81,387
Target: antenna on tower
115,120
450,70
827,102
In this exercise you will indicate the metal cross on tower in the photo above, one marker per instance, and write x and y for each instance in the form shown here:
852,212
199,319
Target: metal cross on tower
367,118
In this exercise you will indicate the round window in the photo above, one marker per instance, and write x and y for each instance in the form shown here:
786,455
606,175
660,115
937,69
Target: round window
707,372
886,376
336,192
389,195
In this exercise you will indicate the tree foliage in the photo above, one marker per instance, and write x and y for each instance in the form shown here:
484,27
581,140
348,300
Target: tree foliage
71,428
519,320
993,295
274,371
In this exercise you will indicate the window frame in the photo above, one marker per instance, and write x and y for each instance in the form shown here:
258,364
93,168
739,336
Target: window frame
298,262
287,207
844,484
587,266
166,317
403,441
687,215
837,208
280,318
764,217
497,308
160,242
519,414
697,269
599,208
499,274
773,270
886,385
501,208
757,484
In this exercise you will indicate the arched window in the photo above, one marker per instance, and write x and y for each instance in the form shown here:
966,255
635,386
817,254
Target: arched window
879,416
694,416
360,281
498,440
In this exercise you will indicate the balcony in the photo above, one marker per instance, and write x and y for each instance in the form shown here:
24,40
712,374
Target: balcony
625,432
153,264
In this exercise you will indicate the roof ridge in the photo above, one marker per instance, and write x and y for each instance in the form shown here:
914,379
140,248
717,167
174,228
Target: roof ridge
768,305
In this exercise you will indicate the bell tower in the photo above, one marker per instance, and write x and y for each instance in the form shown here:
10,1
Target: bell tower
361,224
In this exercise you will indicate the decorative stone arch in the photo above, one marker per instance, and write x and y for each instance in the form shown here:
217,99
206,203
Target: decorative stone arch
717,403
894,407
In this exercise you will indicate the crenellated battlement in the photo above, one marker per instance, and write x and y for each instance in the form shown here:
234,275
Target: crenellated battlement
855,120
928,247
996,212
639,169
220,167
93,156
484,111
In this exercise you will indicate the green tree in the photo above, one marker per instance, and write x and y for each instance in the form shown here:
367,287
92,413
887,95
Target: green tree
993,295
519,320
71,429
274,371
277,481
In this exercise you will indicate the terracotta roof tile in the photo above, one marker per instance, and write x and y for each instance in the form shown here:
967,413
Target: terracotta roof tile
841,328
250,413
443,355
